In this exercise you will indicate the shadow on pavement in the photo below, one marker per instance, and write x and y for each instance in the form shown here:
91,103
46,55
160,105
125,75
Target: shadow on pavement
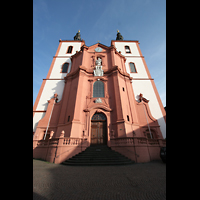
138,181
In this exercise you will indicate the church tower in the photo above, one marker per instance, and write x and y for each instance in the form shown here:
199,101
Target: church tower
54,82
96,95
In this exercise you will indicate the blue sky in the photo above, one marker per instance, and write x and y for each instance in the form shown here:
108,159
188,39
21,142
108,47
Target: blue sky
143,20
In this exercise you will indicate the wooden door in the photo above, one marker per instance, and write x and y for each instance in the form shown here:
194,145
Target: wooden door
98,133
94,132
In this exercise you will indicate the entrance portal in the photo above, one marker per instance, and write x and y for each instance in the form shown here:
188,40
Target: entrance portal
98,129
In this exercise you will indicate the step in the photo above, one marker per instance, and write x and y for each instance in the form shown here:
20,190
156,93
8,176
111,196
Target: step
102,152
99,156
98,146
99,151
106,155
88,158
98,159
97,163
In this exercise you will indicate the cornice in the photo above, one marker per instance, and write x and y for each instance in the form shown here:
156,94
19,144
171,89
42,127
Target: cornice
98,106
113,41
116,68
81,68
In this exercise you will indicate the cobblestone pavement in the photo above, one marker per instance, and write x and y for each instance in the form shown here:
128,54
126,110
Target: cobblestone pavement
128,182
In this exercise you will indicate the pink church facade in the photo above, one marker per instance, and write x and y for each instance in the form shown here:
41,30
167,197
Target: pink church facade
98,95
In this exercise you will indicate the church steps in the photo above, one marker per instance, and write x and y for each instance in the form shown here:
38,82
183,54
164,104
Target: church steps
98,155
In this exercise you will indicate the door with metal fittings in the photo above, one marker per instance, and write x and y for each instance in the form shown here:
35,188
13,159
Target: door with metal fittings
98,129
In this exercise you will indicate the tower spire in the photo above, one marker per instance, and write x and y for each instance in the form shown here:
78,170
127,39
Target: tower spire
119,36
77,36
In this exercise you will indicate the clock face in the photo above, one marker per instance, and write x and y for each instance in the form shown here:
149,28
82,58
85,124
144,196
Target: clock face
98,49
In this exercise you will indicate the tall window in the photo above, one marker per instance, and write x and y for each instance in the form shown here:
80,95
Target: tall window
98,89
127,49
65,67
69,49
132,67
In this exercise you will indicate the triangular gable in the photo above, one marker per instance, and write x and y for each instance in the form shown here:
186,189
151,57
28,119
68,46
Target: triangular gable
94,46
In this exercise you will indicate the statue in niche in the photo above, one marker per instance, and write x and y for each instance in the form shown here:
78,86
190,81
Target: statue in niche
98,61
98,68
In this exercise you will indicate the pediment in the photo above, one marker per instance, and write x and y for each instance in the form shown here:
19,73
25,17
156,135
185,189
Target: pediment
94,46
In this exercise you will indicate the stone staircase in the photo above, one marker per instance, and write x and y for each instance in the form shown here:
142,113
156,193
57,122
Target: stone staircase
98,155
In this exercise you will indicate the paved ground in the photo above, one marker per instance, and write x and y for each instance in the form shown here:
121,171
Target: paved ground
128,182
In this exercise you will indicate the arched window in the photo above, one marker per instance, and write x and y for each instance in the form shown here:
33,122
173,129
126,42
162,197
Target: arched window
99,116
132,67
98,89
127,49
64,68
69,50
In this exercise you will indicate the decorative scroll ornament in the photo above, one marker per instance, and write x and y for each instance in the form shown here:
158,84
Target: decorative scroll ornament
98,100
141,98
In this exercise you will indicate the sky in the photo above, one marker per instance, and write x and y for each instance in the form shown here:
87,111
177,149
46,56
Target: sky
143,20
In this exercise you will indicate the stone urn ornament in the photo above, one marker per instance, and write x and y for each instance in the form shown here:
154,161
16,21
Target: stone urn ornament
51,134
62,134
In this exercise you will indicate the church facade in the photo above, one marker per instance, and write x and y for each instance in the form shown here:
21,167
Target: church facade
98,95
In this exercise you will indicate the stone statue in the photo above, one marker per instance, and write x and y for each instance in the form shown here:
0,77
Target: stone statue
98,68
98,61
98,71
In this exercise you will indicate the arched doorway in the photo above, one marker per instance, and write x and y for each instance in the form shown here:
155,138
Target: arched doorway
98,129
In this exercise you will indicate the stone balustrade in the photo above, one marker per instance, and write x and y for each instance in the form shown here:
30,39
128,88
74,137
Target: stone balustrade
59,141
130,141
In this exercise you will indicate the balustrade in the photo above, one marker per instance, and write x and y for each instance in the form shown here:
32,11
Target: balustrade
142,140
130,141
72,141
55,141
122,141
153,141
